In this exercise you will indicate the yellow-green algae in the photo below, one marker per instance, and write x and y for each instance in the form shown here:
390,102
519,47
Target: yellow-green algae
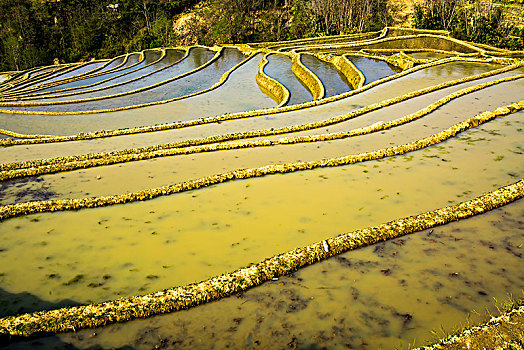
270,86
307,77
169,300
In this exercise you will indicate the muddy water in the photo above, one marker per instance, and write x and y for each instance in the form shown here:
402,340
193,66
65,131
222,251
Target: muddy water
60,149
433,279
279,68
150,63
200,80
63,125
334,82
142,247
372,69
159,172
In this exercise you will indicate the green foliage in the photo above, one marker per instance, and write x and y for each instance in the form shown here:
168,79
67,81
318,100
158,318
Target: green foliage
37,32
34,32
424,18
468,22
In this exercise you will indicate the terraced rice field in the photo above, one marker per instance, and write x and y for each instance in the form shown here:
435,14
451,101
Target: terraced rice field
161,180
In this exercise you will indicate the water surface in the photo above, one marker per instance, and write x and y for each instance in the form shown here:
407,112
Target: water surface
279,68
334,82
372,69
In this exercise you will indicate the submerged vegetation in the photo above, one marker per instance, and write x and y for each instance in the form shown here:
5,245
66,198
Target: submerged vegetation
299,143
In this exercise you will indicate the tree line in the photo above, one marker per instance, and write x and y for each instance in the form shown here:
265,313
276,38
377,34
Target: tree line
36,32
39,32
242,21
481,21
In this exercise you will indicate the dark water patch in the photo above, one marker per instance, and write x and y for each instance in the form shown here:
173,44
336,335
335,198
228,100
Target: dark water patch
25,190
23,302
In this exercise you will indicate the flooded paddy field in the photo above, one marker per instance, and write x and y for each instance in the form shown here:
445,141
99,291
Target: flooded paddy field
108,69
410,141
334,82
279,68
38,151
164,113
343,301
152,61
373,70
199,80
101,181
400,186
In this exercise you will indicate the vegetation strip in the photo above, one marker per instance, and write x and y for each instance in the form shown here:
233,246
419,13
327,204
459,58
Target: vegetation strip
25,208
305,41
354,76
72,91
99,71
363,45
9,171
342,40
87,75
502,332
54,103
270,86
34,139
307,77
184,297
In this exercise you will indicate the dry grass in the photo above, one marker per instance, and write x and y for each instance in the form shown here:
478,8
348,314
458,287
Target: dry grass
501,332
